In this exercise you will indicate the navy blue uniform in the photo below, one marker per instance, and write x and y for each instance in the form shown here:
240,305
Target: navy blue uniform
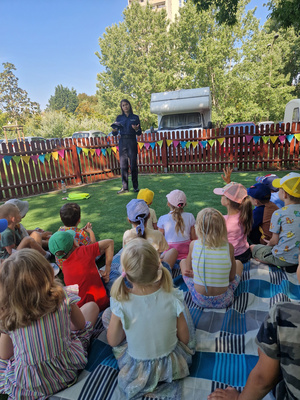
128,148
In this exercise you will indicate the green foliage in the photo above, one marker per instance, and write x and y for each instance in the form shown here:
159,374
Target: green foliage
64,99
138,58
285,13
226,9
13,100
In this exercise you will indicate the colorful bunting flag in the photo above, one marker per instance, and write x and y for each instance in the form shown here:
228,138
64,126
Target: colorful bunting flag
297,136
62,153
256,139
35,158
79,149
55,155
7,159
273,139
211,142
152,145
160,143
281,138
114,149
169,142
92,151
204,143
183,144
86,151
147,145
16,159
265,138
98,151
47,156
194,144
141,145
290,138
188,144
25,159
42,158
109,150
103,152
248,138
175,143
221,140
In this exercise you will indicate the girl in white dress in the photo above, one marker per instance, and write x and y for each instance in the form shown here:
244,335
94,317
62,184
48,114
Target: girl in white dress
152,317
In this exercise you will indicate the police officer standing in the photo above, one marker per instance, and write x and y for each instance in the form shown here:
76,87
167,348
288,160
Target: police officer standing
128,126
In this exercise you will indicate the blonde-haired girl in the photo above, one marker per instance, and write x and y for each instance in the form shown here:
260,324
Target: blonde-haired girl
210,271
178,225
238,219
150,316
44,335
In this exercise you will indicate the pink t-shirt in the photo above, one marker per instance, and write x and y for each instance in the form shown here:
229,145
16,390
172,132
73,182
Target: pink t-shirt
236,235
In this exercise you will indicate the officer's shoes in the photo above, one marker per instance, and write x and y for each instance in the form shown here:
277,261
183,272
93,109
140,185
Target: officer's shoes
122,191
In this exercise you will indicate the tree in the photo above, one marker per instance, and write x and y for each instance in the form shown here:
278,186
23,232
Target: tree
286,13
13,100
138,59
63,99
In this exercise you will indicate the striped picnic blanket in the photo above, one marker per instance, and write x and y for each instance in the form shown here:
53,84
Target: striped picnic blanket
225,353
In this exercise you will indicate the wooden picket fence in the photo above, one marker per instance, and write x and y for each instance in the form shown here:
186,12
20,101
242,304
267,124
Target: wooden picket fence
38,168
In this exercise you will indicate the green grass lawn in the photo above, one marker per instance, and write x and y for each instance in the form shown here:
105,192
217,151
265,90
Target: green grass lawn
107,211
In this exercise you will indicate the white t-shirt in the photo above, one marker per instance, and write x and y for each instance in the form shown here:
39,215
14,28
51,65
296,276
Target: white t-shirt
150,322
156,238
167,223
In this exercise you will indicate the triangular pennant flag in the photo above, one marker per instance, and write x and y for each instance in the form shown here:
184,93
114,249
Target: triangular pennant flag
109,150
35,158
281,138
55,155
169,142
160,142
47,156
297,136
1,158
195,144
92,151
152,145
42,158
211,142
248,138
188,144
183,144
201,145
221,140
256,139
290,138
117,148
8,158
98,151
147,145
79,149
204,143
25,159
103,152
265,138
273,139
62,153
86,151
114,149
16,159
140,145
175,143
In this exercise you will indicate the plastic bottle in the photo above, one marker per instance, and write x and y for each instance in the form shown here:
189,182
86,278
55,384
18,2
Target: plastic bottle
63,187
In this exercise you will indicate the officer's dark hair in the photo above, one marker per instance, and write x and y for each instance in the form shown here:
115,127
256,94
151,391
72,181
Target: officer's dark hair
128,102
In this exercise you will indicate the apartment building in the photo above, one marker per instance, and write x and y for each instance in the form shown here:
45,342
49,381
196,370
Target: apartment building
171,6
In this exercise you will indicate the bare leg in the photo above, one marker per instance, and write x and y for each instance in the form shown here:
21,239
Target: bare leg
37,237
90,311
170,257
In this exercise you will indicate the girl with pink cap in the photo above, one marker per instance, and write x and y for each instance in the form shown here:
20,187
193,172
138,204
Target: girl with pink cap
238,219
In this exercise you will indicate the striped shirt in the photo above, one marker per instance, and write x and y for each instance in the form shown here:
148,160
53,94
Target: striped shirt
211,267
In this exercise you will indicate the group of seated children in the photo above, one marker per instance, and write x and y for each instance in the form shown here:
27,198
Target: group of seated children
211,250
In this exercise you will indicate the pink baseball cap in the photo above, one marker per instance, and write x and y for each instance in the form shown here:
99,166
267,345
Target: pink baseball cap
233,191
177,198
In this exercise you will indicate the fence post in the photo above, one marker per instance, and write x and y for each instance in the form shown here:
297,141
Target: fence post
76,164
164,155
238,147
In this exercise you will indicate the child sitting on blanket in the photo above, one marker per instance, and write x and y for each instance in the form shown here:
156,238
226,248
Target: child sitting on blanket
70,214
138,215
150,316
11,239
44,334
268,181
210,271
278,343
238,218
282,249
177,226
79,266
147,195
39,235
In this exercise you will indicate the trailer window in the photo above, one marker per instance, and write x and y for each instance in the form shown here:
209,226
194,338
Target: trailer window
181,121
296,115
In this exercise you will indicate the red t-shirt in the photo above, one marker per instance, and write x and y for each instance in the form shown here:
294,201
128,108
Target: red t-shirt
80,268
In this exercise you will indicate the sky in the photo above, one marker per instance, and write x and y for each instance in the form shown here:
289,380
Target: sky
53,42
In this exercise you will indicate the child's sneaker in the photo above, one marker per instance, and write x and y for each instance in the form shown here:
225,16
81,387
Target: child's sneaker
48,255
55,268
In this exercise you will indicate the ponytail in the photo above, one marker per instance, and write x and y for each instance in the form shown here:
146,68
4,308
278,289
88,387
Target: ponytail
119,290
176,215
246,215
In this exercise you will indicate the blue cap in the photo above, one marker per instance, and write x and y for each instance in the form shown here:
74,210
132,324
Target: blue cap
3,224
259,191
268,180
137,211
